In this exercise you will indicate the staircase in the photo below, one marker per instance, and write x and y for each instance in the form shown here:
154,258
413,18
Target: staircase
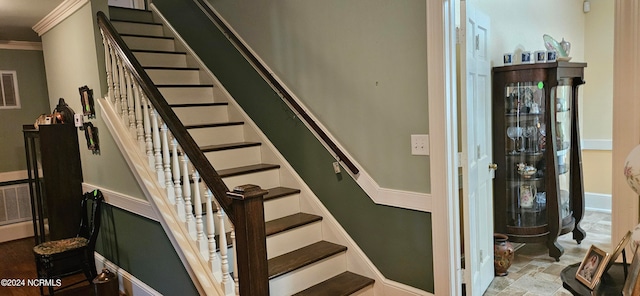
301,260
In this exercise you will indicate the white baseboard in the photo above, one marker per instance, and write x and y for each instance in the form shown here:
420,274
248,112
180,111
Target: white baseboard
16,231
127,283
597,202
596,144
13,176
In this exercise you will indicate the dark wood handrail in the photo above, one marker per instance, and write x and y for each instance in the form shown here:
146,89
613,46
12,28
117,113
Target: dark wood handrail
275,84
189,146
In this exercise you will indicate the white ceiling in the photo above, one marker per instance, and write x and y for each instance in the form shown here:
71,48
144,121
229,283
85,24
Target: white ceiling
18,16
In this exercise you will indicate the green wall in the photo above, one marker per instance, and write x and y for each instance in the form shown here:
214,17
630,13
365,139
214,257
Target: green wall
359,65
73,55
32,89
398,241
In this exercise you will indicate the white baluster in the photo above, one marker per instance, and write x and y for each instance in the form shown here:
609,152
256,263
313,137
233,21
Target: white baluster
126,106
227,282
123,92
131,119
166,162
175,169
116,83
157,146
197,206
138,115
211,232
235,261
107,62
146,120
186,192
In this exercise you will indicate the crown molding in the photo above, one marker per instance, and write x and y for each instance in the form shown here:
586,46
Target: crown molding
57,15
20,45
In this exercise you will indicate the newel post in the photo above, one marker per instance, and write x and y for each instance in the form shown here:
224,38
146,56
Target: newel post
251,251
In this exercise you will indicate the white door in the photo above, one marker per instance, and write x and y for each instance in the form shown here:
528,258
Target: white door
476,163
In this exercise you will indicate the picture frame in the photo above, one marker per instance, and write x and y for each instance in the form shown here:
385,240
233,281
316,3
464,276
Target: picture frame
631,285
592,267
88,105
618,250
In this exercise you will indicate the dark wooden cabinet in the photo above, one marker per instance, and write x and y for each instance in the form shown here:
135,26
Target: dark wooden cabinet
55,179
538,189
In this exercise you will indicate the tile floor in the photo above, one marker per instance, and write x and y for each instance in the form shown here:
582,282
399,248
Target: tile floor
534,273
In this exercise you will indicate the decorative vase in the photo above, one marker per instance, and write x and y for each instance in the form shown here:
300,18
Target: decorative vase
503,254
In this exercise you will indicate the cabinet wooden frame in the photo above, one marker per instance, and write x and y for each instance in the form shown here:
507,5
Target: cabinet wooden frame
546,77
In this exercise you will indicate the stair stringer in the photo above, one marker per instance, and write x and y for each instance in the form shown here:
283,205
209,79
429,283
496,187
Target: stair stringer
357,260
184,246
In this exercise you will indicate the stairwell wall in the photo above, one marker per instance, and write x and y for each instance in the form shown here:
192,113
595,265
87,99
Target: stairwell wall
386,234
74,56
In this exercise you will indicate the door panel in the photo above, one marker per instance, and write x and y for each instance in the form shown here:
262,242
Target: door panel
476,148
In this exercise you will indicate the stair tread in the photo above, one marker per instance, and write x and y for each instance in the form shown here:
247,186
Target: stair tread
198,104
280,192
247,169
159,51
182,85
147,36
135,22
170,68
343,284
290,222
214,124
291,261
228,146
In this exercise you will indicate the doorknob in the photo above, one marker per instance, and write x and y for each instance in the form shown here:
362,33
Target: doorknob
493,166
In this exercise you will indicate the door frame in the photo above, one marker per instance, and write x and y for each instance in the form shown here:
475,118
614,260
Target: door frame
441,82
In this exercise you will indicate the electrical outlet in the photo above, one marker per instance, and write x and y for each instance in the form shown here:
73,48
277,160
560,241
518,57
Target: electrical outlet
419,144
336,167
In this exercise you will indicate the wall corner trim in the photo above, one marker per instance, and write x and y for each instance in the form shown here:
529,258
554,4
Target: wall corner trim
128,203
56,16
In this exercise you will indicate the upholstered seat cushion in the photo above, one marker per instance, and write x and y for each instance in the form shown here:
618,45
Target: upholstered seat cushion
60,246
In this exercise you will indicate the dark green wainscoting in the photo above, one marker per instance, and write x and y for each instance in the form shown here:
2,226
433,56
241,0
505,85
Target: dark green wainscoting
140,246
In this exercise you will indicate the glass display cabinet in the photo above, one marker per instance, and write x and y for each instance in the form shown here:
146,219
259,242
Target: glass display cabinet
538,192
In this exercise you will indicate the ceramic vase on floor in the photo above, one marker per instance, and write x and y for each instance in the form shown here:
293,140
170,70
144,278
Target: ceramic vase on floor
503,254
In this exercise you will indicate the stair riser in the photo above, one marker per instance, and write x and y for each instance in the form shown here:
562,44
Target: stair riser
174,76
266,179
293,239
138,29
187,95
367,291
217,135
281,207
130,14
143,43
226,159
202,115
151,59
305,277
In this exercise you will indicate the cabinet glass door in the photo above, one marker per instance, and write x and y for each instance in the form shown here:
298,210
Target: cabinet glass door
525,135
563,97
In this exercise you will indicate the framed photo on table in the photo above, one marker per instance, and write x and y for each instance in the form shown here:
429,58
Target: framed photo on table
592,267
618,250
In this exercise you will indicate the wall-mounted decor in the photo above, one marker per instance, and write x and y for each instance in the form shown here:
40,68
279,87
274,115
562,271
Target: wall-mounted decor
86,97
91,135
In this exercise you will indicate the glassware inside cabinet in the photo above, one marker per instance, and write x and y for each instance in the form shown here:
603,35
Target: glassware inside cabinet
563,97
525,134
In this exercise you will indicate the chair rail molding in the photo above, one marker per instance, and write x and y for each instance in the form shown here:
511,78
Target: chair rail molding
128,203
20,45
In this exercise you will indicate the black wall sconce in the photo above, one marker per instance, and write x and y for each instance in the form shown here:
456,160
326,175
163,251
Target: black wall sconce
86,97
